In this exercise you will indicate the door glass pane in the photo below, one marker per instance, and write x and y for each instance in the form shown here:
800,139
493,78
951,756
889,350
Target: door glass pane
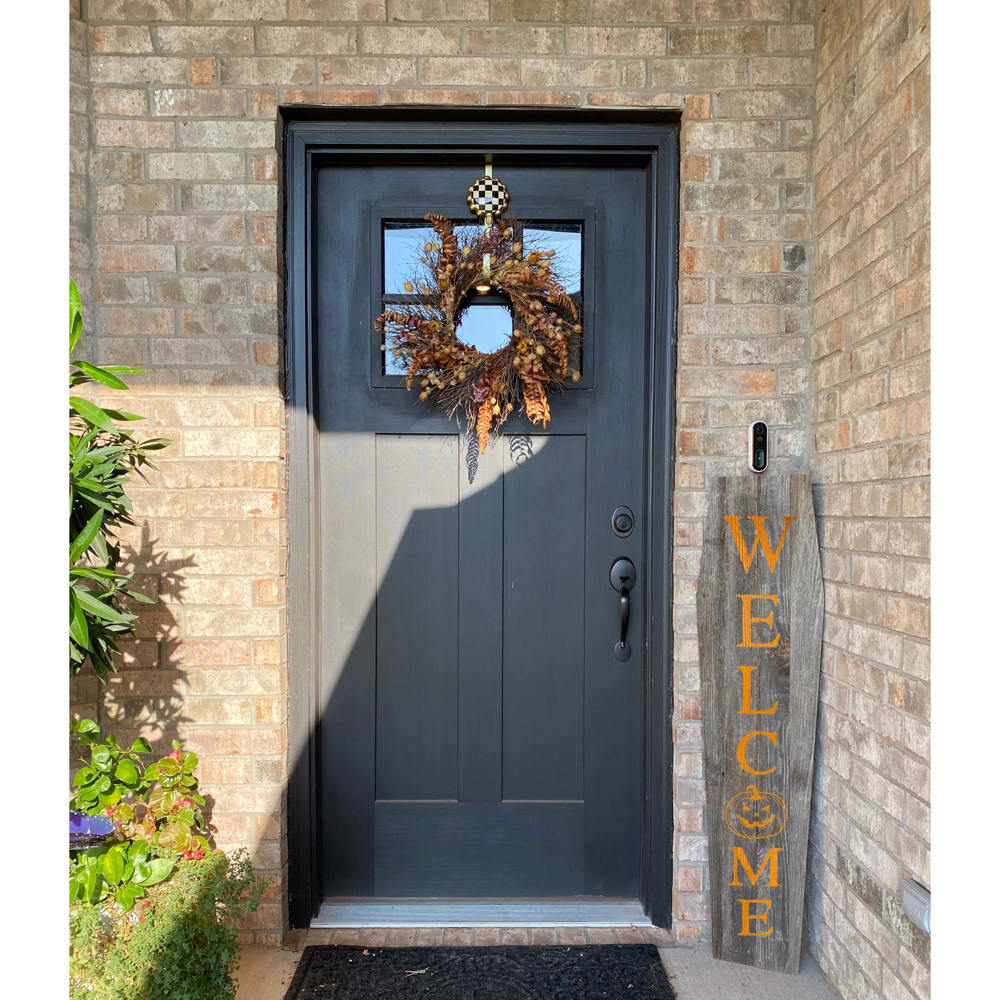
487,328
566,238
402,243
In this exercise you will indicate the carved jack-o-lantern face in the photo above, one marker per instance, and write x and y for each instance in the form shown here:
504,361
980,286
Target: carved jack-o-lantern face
756,815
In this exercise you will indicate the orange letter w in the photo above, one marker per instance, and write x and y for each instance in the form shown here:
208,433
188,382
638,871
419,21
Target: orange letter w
760,537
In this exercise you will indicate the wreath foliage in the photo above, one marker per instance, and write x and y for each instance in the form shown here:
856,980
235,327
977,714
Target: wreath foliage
423,337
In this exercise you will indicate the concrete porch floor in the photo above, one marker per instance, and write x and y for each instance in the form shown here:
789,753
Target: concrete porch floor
265,973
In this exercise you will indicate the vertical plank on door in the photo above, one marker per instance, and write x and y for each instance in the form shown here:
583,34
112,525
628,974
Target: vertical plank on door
416,612
480,616
543,620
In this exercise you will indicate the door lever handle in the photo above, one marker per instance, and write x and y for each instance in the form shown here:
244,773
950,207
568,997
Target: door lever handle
623,577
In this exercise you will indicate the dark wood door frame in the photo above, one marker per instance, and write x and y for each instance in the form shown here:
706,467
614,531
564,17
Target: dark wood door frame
313,134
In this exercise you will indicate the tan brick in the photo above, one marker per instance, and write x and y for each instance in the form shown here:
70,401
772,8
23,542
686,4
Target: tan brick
603,41
509,40
732,135
741,10
337,10
330,97
183,103
737,166
635,11
263,70
119,101
717,41
229,197
238,10
698,72
189,165
366,71
137,134
136,258
184,39
129,10
120,38
126,321
560,11
730,197
192,351
754,382
196,229
305,41
763,103
469,71
138,69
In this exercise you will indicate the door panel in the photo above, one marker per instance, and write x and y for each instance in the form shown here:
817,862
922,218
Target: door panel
478,737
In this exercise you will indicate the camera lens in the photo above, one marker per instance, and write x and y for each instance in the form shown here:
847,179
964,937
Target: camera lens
758,458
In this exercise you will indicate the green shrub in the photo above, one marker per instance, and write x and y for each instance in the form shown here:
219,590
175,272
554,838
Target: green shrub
179,943
156,809
102,458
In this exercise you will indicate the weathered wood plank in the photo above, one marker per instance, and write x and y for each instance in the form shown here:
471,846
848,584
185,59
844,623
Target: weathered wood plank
760,625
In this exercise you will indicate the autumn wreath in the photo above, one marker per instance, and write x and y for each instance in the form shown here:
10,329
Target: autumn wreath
422,334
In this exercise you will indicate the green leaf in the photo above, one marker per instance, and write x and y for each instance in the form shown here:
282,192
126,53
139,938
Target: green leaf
125,369
127,895
127,772
82,542
138,850
96,573
75,317
168,766
113,866
122,415
84,776
159,869
92,413
101,375
78,630
141,745
101,757
87,726
93,606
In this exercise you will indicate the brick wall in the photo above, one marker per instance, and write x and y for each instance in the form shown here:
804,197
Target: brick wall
870,413
178,198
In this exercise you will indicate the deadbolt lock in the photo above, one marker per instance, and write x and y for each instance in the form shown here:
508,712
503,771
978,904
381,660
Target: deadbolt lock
622,521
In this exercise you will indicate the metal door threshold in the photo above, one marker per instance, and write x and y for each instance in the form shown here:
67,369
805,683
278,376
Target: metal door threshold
581,912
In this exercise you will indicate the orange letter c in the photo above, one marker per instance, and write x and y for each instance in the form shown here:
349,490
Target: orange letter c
741,750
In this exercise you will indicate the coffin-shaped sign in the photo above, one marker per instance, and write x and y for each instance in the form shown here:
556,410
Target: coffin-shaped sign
760,630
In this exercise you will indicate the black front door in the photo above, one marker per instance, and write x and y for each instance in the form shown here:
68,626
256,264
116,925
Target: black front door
478,737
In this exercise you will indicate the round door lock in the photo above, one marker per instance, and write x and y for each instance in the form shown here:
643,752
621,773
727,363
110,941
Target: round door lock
622,521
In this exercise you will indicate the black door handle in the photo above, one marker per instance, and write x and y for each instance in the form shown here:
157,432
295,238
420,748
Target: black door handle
623,577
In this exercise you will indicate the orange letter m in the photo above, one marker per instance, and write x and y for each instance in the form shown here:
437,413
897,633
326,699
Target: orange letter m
759,538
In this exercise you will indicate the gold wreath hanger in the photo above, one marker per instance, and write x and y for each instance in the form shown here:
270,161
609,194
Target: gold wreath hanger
487,225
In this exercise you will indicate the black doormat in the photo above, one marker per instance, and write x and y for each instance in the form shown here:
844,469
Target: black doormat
528,972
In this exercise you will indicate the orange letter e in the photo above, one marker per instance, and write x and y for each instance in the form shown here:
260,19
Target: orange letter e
749,620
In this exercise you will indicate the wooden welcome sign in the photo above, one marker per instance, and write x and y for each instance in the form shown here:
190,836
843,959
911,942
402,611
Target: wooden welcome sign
760,629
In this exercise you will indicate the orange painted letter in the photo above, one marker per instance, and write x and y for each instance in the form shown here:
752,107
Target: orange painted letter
759,538
745,905
749,620
746,709
771,859
741,750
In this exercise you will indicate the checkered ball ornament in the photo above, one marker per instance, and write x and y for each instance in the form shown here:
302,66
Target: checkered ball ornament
488,196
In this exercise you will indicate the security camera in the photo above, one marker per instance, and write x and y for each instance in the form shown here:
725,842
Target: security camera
757,446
